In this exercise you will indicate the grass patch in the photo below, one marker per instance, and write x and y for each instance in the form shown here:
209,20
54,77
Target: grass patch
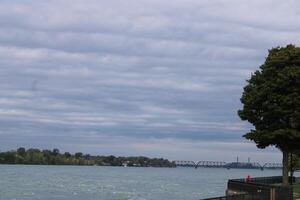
296,188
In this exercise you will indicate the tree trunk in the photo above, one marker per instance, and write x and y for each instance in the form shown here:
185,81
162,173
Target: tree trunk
291,169
285,167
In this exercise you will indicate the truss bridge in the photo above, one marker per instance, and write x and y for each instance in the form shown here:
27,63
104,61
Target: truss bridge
231,165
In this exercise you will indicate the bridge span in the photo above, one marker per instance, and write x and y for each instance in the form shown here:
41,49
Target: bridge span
231,165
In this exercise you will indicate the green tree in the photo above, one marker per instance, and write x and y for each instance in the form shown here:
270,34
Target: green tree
67,155
271,103
34,156
47,154
21,151
293,165
55,152
78,155
296,162
8,157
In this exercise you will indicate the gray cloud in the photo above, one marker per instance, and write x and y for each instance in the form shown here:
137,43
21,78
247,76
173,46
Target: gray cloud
137,74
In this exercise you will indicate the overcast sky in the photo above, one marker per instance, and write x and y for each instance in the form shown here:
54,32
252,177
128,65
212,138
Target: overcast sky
136,77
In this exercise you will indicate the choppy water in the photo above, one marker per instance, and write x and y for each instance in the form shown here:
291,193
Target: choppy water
19,182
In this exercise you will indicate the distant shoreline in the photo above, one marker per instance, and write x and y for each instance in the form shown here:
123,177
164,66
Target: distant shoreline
1,164
34,156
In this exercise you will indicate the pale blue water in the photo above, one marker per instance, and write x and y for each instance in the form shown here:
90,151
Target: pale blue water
18,182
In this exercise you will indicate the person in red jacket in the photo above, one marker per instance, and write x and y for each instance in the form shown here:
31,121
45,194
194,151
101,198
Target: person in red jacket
248,179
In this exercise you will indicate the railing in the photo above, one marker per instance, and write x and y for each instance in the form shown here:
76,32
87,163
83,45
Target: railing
271,180
262,188
236,197
258,191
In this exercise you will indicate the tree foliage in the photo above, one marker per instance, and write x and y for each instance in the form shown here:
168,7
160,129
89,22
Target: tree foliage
271,101
295,162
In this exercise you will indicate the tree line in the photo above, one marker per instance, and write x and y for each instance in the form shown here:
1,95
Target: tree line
54,157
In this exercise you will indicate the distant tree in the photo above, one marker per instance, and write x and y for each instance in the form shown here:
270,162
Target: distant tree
78,155
55,152
47,156
21,151
67,155
47,152
34,156
8,157
271,103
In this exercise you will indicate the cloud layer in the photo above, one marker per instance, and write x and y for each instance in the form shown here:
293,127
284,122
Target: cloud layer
104,76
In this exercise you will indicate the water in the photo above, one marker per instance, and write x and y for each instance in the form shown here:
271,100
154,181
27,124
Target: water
18,182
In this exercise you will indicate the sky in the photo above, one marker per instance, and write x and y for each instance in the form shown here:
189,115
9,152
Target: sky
136,77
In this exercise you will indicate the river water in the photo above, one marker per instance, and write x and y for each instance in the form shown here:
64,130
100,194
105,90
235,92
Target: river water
19,182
